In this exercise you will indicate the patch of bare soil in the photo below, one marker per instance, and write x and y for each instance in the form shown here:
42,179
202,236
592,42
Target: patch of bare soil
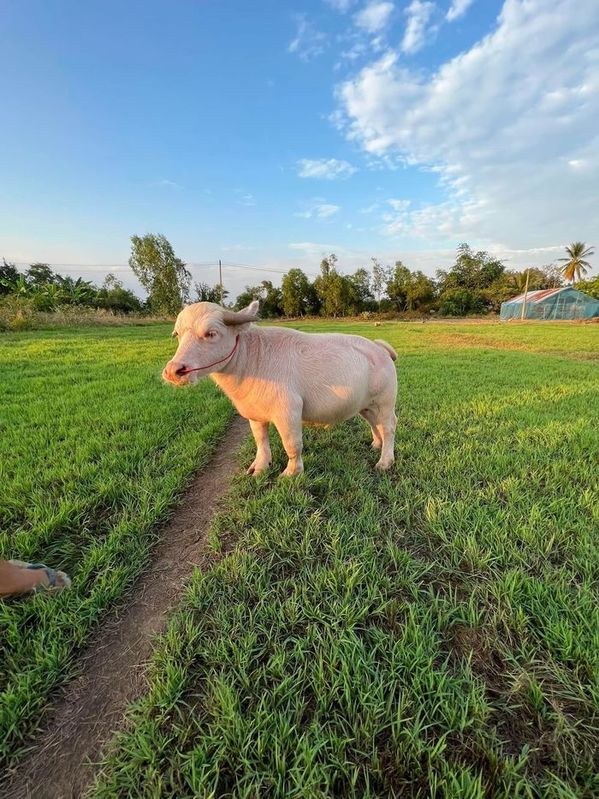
62,763
516,723
472,341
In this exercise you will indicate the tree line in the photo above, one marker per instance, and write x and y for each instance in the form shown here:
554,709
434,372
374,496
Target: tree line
46,290
476,283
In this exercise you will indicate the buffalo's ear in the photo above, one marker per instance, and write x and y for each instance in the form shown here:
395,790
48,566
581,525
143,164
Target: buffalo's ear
253,308
249,314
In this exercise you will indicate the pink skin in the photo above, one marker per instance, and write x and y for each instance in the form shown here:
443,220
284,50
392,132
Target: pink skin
282,376
15,580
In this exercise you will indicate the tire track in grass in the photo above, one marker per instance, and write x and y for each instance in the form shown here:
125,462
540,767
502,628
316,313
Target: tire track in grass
62,761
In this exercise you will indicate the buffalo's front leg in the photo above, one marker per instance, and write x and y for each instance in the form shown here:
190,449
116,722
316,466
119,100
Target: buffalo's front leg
263,457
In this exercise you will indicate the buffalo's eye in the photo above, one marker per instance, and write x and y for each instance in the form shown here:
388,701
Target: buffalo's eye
210,334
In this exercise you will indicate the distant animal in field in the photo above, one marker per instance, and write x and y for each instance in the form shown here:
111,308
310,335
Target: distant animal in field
288,378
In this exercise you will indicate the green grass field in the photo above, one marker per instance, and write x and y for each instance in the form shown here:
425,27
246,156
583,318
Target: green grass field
430,632
93,452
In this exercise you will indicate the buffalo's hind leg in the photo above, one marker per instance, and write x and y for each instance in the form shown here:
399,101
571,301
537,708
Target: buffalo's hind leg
377,441
386,429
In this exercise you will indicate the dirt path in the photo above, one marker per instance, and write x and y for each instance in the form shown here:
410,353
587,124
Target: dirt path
90,709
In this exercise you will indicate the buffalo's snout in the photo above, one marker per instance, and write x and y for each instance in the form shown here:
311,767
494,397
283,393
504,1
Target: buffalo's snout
174,371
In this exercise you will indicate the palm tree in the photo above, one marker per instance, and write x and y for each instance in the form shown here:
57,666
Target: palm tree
518,281
575,266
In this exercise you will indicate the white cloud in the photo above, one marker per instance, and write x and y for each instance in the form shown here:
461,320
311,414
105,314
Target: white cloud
326,210
236,248
417,31
167,184
367,35
340,5
357,50
374,16
448,220
245,198
505,125
370,209
318,209
308,42
399,205
457,9
325,169
313,250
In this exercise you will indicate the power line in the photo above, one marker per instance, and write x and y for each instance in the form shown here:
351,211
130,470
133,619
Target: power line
254,268
235,265
199,264
62,266
101,266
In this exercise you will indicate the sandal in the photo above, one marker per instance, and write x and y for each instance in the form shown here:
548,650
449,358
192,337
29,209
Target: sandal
57,580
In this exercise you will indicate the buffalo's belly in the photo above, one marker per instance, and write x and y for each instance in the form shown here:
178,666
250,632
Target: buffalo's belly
332,404
324,401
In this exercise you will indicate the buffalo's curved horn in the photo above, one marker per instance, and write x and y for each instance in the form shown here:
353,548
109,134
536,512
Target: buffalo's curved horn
249,314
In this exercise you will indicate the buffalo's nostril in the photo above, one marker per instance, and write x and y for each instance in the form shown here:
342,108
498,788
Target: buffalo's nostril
180,371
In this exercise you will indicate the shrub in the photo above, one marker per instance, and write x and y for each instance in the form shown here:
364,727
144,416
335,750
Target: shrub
18,313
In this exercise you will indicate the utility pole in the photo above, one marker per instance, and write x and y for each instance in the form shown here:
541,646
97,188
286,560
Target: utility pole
220,279
525,296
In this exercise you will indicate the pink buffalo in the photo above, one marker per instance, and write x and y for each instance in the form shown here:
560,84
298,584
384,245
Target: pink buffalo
288,378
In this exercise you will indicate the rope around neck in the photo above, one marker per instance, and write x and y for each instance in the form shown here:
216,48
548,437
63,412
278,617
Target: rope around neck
210,365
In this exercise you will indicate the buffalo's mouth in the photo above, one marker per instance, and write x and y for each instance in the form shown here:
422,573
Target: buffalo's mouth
175,378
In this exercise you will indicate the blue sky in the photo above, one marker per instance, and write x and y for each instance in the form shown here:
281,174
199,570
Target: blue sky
267,133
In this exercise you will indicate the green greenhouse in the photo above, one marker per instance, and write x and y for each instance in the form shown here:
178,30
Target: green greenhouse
564,303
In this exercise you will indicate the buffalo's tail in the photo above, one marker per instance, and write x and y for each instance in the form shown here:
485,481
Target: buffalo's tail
388,347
